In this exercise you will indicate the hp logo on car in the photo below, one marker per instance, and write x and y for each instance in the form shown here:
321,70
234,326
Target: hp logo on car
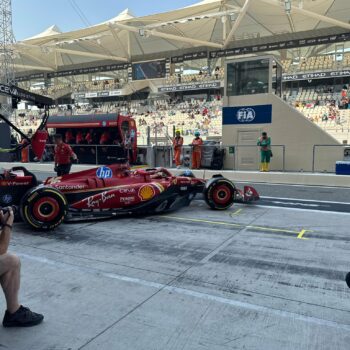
7,198
104,172
245,115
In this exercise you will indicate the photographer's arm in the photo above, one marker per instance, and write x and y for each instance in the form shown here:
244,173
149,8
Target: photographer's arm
5,235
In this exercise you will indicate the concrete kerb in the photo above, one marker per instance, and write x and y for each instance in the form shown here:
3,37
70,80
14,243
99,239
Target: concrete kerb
307,179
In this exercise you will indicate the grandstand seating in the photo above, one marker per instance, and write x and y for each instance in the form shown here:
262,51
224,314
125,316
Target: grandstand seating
315,63
190,78
162,115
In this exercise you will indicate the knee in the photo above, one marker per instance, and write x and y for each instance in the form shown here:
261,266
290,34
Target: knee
13,262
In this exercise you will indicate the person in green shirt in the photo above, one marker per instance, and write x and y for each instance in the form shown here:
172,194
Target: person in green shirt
265,151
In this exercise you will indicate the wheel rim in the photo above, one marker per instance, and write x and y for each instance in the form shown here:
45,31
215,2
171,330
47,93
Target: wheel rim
222,194
46,209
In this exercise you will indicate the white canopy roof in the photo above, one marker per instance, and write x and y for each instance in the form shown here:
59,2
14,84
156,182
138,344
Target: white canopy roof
53,30
209,24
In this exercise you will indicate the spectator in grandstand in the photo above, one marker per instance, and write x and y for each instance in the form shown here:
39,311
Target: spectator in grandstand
344,92
217,72
63,156
197,150
264,142
178,143
179,78
16,315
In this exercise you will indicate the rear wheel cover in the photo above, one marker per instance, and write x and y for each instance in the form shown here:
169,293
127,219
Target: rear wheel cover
44,208
222,194
219,194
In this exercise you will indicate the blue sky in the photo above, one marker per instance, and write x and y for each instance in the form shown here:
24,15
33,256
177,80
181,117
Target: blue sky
31,17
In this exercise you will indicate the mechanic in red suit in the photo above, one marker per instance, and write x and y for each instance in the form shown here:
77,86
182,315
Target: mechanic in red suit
197,150
16,315
89,137
178,142
69,136
105,138
63,156
79,139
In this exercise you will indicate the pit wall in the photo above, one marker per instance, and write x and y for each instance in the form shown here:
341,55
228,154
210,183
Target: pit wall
289,128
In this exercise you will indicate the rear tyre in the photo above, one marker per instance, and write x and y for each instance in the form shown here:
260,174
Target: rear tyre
44,208
219,193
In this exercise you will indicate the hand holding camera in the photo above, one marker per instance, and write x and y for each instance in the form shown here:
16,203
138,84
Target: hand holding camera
7,216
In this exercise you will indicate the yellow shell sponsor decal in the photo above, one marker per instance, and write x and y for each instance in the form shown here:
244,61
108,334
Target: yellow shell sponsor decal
146,192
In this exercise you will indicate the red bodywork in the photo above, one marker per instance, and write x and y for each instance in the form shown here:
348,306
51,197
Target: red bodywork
124,188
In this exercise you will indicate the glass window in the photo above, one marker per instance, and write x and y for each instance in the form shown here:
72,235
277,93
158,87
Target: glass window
247,78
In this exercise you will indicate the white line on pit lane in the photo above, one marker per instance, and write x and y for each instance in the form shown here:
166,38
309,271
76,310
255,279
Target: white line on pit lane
291,185
302,209
296,204
304,200
194,294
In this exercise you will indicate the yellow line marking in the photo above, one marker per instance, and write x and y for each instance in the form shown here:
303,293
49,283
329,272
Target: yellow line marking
262,228
201,220
237,212
301,234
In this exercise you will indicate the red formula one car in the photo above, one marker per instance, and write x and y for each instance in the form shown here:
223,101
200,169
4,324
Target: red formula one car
109,191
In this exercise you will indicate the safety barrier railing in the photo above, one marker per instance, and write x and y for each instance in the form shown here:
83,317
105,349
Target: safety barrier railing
324,157
221,157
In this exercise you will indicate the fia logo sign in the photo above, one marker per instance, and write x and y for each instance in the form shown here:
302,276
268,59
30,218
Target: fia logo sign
245,115
104,172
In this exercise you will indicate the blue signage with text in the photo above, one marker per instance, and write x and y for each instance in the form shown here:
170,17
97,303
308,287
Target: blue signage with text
245,115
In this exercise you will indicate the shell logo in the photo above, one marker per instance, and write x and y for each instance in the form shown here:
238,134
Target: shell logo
146,192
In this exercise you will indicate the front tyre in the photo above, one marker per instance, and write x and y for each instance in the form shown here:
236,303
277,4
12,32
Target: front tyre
219,193
43,208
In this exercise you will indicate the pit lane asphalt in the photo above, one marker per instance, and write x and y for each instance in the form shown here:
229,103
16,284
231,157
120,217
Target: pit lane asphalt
252,277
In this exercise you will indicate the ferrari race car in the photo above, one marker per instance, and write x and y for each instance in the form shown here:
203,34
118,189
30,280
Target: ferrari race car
111,191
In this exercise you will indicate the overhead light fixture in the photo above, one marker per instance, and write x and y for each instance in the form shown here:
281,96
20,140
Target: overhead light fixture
288,6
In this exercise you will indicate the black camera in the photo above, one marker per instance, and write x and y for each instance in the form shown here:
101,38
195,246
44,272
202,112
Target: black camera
6,209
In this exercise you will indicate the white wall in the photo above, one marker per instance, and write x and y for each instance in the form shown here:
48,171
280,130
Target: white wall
290,128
